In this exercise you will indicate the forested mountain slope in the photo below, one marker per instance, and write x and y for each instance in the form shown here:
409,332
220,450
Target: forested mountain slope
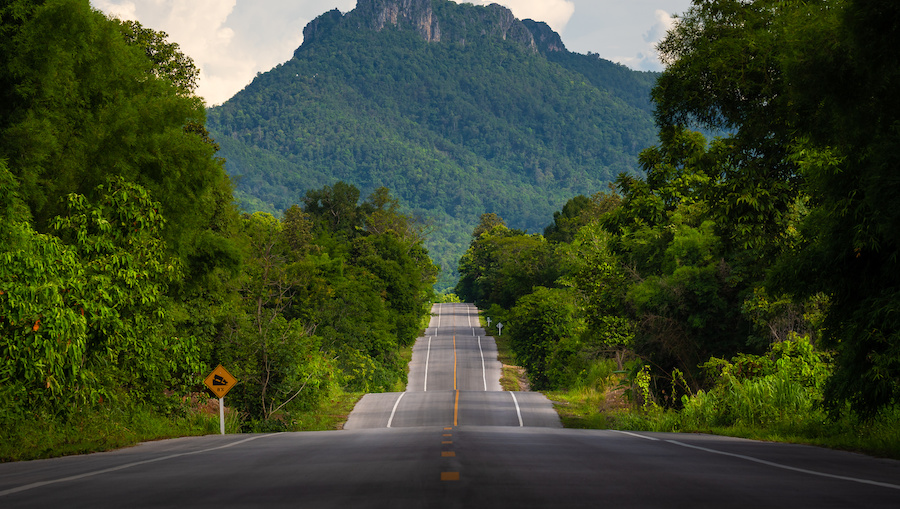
457,109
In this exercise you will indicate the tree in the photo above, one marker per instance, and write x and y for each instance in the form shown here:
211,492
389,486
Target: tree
724,73
847,150
601,283
83,312
85,100
537,324
578,212
169,62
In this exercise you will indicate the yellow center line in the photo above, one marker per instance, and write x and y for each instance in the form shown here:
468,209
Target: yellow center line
454,363
456,405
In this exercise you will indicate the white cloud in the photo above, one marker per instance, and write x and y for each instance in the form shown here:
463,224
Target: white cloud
555,13
229,40
647,59
122,10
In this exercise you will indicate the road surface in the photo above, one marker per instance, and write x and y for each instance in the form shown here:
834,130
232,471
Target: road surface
487,459
454,380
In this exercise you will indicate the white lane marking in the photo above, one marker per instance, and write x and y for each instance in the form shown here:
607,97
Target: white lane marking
518,411
394,410
427,356
440,310
786,467
635,435
483,369
468,317
123,467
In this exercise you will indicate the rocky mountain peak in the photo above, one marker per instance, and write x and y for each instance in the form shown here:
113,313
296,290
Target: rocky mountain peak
440,21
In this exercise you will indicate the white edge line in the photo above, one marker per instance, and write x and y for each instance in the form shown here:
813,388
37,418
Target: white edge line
123,467
394,410
427,356
518,411
635,435
786,467
483,368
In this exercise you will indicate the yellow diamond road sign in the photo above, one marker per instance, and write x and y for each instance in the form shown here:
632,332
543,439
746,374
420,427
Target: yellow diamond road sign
220,381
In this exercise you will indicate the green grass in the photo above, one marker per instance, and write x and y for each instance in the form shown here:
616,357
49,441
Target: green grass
587,408
331,414
101,428
509,372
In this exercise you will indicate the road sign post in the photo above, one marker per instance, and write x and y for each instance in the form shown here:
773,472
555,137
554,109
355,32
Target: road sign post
489,321
499,328
220,382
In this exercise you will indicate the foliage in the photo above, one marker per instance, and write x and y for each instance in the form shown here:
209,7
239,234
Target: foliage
846,150
126,270
502,265
82,317
537,326
761,390
783,226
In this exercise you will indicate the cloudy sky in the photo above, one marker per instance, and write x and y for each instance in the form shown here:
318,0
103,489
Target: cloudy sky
232,40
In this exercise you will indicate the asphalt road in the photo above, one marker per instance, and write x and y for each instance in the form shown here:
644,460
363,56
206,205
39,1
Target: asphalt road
454,380
423,460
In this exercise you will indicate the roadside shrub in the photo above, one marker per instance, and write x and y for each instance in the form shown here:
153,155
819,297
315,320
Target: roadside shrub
783,387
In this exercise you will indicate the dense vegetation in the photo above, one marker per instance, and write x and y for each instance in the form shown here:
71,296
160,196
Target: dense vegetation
127,271
750,280
476,122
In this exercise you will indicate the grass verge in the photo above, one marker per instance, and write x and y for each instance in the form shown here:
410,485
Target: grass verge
100,428
590,408
331,414
512,377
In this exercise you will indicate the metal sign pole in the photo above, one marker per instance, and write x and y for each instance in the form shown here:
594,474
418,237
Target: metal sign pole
220,382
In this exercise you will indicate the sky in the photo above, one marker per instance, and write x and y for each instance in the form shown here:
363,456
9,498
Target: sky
233,40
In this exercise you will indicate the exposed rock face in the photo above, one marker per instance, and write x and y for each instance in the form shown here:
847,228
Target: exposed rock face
440,20
546,39
415,14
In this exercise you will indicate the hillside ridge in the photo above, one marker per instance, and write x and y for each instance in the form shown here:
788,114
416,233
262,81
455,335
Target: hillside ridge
457,109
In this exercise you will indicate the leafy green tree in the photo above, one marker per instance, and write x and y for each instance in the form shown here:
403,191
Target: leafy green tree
85,101
601,282
84,315
537,324
578,212
169,62
724,73
281,367
847,151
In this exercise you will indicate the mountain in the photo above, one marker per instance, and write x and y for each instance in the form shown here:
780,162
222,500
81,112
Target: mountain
457,109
